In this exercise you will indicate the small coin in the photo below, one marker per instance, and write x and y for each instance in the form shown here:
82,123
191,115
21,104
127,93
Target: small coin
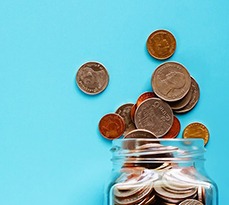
111,126
92,78
191,202
124,111
154,115
174,130
161,44
196,130
194,99
171,81
145,96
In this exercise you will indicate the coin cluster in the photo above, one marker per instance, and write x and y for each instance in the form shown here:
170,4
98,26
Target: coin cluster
162,184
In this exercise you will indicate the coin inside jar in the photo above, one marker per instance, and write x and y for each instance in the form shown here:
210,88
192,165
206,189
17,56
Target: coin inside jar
92,78
161,44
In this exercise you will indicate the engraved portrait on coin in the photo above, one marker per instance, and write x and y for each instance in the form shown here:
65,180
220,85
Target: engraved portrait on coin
92,78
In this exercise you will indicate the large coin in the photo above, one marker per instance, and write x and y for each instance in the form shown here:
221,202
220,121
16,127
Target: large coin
194,99
161,44
124,111
196,130
154,115
191,202
92,78
111,126
171,81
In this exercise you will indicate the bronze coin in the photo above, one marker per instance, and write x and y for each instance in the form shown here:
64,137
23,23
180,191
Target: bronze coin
171,81
190,202
145,96
111,126
161,44
124,111
194,99
174,130
154,115
196,130
92,78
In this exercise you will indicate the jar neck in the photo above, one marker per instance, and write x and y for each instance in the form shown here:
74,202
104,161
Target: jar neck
157,153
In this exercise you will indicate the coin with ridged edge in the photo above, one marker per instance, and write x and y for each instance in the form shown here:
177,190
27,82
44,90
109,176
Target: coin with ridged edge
190,202
92,78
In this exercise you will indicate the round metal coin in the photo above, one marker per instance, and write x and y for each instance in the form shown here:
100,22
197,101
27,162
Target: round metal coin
171,81
92,78
111,126
196,130
161,44
190,202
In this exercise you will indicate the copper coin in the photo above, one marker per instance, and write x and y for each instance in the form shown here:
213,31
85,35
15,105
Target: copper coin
196,130
154,115
124,111
194,99
174,130
92,78
145,96
132,112
190,202
161,44
111,126
171,81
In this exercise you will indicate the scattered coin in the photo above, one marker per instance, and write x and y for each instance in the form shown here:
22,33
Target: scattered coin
92,78
124,111
161,44
171,81
196,130
154,115
111,126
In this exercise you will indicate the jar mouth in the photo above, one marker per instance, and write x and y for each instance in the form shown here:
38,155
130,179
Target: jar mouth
139,150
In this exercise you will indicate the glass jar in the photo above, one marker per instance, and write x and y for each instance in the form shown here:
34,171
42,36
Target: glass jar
160,172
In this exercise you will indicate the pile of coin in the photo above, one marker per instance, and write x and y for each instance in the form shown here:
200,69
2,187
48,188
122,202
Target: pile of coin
146,180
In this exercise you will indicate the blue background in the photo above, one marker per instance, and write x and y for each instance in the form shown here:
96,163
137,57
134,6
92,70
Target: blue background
51,152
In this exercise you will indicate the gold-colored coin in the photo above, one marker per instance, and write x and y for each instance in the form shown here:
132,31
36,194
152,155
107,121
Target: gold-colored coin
196,130
161,44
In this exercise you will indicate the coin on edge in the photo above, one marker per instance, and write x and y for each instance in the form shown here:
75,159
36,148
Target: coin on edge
196,130
161,44
111,126
92,78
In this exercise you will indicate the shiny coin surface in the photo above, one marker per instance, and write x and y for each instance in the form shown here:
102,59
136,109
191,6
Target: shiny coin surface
194,99
191,202
140,133
196,130
171,81
145,96
161,44
124,111
92,78
154,115
111,126
174,130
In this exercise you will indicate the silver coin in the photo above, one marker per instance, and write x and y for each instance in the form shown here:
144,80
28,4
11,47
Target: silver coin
92,78
194,99
154,115
171,81
124,112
